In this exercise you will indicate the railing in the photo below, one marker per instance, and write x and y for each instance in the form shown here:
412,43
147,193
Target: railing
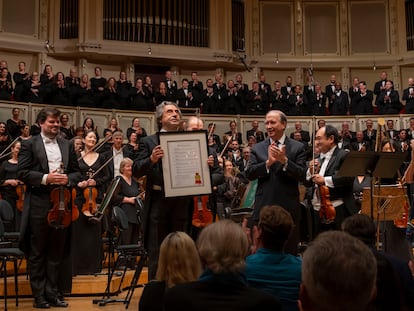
102,117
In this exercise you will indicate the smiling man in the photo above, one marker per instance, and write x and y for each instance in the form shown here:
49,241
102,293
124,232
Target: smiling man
161,215
278,163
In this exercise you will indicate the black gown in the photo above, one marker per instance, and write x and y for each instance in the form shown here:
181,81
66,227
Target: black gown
86,235
9,171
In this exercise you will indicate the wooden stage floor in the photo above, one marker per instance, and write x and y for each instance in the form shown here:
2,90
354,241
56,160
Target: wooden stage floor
85,289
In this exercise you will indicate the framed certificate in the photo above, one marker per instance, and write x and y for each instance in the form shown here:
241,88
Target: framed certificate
184,165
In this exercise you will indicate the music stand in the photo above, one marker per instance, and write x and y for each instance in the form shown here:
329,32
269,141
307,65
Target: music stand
373,164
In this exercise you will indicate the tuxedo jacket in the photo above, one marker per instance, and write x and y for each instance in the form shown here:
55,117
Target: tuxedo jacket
278,186
340,104
409,100
362,104
33,164
389,107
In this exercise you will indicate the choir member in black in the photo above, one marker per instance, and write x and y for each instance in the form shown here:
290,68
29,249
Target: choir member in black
362,102
141,100
136,128
35,128
84,93
170,83
340,101
243,89
162,94
388,101
123,88
59,92
72,82
234,133
3,64
88,124
113,126
6,86
4,139
209,100
232,102
47,79
408,96
66,130
34,89
257,100
277,98
318,101
86,234
126,198
98,84
148,85
297,103
20,78
24,132
110,95
14,123
8,186
195,86
132,145
353,93
184,97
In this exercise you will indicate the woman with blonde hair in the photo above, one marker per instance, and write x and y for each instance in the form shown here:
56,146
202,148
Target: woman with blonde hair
223,247
179,262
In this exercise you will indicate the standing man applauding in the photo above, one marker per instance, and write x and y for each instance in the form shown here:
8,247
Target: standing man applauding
278,163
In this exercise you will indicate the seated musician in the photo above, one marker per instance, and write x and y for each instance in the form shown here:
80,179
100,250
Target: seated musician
323,171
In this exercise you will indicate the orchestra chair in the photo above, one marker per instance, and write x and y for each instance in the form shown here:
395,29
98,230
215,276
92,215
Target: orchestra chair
8,252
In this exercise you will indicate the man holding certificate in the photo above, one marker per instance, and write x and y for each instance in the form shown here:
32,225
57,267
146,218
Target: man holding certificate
161,214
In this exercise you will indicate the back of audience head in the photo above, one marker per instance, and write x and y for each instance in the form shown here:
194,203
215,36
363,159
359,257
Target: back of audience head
338,273
179,261
274,228
223,247
360,226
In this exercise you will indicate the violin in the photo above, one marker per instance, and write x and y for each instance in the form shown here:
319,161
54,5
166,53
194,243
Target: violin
89,208
202,216
59,216
75,211
20,191
327,211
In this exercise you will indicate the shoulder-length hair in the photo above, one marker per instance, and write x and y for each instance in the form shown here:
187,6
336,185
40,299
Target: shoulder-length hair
179,261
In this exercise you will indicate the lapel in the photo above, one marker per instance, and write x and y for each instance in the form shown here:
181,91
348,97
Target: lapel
40,151
64,151
332,160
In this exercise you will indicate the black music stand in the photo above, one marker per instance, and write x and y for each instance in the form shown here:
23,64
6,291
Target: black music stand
372,164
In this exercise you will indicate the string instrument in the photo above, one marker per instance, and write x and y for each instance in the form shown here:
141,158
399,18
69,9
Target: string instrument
327,211
96,147
75,211
202,216
90,208
2,154
90,194
20,191
59,216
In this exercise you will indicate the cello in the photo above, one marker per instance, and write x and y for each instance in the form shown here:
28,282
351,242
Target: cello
60,216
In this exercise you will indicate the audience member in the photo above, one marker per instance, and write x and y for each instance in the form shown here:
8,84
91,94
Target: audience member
178,263
223,247
338,273
270,268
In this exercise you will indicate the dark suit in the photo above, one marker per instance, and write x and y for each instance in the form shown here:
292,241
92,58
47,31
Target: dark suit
258,134
278,186
408,96
340,104
362,104
43,245
390,105
161,215
304,134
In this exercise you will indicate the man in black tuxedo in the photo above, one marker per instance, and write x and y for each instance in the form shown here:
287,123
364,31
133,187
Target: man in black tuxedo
304,134
388,101
40,162
408,96
380,85
323,171
255,132
184,96
361,103
369,133
278,163
172,86
340,101
161,215
330,90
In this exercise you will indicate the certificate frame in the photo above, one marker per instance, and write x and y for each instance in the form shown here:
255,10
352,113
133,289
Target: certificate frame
184,165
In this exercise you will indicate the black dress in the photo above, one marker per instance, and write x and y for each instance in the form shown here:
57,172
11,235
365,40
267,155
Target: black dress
9,171
87,235
130,235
